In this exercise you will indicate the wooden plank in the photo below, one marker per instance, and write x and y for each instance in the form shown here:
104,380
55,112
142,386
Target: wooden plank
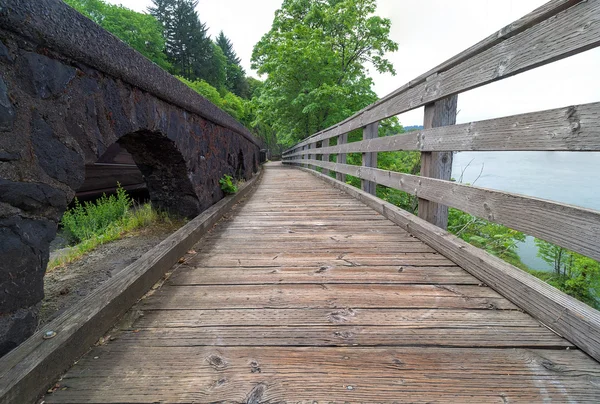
264,374
345,335
576,29
572,128
571,318
194,275
314,261
572,227
325,157
370,159
341,157
285,246
437,164
29,369
409,318
326,296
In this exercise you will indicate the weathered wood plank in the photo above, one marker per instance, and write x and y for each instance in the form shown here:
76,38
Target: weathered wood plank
573,128
437,164
345,335
326,296
341,157
194,275
370,159
409,259
575,228
235,374
325,157
409,318
571,318
576,29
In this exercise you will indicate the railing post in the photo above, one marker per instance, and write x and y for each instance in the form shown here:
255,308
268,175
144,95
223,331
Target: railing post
325,157
370,131
311,156
341,157
437,164
304,157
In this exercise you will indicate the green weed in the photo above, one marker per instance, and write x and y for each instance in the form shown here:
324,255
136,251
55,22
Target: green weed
227,185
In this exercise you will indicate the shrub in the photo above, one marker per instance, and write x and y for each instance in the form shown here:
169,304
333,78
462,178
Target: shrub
82,222
227,185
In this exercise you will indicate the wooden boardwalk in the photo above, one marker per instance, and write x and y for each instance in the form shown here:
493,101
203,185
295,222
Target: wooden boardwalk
305,294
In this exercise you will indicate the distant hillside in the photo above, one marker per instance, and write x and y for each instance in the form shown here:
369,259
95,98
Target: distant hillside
413,127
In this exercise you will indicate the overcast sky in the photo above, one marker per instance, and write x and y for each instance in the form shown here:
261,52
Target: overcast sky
429,32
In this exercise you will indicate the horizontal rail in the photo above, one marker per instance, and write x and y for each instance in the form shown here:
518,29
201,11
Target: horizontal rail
572,319
564,32
575,228
573,128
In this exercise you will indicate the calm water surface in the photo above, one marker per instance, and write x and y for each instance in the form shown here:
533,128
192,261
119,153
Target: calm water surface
568,177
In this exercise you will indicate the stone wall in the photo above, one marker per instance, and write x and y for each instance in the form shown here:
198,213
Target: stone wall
57,114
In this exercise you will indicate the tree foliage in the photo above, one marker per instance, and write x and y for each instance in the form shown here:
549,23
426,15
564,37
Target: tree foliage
575,274
235,76
188,46
315,58
140,31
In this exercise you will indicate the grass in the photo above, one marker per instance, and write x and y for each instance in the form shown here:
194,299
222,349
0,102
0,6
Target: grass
91,225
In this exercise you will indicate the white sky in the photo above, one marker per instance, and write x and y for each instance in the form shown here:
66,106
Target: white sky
429,32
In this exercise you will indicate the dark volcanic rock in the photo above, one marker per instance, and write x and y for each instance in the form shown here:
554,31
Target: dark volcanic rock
7,112
67,169
45,77
15,327
5,54
24,251
35,198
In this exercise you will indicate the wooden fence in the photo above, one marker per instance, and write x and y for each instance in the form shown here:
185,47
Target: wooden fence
559,29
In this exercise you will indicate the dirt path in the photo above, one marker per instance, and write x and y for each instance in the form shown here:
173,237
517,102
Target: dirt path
65,286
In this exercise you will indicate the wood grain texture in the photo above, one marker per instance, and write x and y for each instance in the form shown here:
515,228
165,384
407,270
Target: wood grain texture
341,157
573,128
325,157
303,330
572,227
437,164
556,33
370,159
125,373
573,319
408,318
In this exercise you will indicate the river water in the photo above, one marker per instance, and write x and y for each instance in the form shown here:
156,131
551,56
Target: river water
568,177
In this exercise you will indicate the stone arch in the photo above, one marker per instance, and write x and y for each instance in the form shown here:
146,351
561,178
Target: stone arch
165,171
57,115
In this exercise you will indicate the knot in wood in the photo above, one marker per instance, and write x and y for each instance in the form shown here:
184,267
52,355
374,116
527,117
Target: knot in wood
217,362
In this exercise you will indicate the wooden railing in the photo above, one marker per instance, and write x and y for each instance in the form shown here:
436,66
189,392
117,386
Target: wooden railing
559,29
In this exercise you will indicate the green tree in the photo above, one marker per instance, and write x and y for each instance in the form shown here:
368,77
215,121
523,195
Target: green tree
315,58
188,46
235,79
140,31
214,70
574,274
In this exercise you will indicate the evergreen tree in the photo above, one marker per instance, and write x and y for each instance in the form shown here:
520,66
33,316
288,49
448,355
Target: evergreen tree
188,46
235,76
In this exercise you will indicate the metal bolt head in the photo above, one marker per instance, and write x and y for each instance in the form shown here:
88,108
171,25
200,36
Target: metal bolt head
49,334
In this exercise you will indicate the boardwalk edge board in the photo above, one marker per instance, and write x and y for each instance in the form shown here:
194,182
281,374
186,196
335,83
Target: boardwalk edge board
28,370
565,315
